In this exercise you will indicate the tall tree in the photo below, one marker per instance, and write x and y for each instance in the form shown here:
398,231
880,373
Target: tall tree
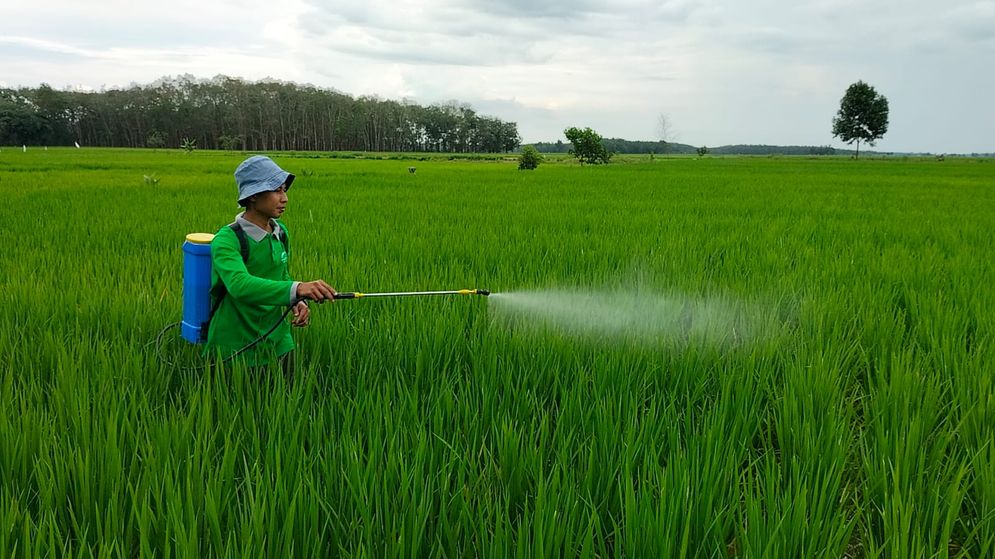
863,115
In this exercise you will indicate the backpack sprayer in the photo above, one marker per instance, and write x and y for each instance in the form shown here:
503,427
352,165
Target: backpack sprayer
197,309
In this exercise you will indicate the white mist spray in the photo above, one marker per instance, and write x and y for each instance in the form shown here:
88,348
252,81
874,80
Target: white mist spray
648,318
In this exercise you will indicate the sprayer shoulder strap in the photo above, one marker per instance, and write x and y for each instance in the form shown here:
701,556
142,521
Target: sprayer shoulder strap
243,249
219,290
243,242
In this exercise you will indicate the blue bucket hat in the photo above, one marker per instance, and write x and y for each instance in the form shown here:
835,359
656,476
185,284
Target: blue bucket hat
259,174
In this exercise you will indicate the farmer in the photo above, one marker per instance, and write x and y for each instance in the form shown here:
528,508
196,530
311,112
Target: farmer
250,282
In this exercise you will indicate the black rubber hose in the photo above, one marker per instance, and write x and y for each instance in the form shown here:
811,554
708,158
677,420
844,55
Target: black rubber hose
252,344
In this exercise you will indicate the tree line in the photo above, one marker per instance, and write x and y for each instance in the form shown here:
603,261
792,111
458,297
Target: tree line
618,145
230,113
613,145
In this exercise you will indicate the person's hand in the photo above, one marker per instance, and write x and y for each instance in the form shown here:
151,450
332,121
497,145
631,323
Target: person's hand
316,291
302,314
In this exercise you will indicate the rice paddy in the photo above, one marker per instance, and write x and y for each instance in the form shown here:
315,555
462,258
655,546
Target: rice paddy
714,357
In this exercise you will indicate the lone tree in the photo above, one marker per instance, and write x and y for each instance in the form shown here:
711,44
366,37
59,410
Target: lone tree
863,115
587,146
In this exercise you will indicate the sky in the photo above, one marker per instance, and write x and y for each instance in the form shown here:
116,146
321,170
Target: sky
720,71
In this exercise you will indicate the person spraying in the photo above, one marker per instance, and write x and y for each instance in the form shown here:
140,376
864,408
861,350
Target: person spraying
251,285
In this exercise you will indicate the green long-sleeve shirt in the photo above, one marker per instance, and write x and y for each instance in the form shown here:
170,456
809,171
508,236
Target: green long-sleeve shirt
258,292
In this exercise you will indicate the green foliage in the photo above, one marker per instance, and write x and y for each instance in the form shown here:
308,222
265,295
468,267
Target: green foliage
529,159
587,146
702,151
853,419
230,142
156,139
20,123
188,144
863,115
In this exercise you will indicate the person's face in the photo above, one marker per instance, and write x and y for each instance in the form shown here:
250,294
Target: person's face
271,204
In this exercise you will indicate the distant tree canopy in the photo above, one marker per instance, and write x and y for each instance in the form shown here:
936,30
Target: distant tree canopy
613,145
587,146
229,113
618,145
863,115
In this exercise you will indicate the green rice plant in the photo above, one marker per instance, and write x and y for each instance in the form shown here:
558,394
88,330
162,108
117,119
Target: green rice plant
785,357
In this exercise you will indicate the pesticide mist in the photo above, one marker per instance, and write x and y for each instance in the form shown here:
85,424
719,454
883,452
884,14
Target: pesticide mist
646,318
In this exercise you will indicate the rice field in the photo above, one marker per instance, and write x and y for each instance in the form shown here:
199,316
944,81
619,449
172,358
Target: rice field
715,357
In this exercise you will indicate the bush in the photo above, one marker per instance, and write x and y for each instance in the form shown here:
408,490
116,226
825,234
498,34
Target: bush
529,159
230,142
155,139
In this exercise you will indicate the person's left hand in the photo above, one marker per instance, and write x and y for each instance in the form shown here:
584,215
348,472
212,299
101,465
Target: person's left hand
302,314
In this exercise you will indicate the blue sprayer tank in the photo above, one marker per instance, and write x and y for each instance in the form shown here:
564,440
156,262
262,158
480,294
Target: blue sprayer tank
196,286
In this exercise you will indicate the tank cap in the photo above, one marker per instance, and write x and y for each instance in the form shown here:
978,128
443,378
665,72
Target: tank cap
200,238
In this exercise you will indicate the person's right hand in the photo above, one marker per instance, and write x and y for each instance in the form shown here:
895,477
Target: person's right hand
316,290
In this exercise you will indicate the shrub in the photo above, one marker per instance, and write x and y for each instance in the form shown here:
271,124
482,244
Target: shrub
230,142
529,159
155,139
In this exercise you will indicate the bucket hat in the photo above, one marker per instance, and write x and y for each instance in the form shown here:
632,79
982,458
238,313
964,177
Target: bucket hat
260,174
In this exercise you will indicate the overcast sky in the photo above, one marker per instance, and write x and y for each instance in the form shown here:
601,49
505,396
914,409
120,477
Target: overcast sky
724,72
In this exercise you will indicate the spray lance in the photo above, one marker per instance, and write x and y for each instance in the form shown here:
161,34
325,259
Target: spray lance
197,298
356,295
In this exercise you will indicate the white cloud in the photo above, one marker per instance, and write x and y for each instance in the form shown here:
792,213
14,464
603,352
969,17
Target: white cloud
726,72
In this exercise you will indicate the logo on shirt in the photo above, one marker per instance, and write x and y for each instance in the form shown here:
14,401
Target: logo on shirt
283,257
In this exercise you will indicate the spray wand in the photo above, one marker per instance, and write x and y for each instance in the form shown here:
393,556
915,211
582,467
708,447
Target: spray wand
357,295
